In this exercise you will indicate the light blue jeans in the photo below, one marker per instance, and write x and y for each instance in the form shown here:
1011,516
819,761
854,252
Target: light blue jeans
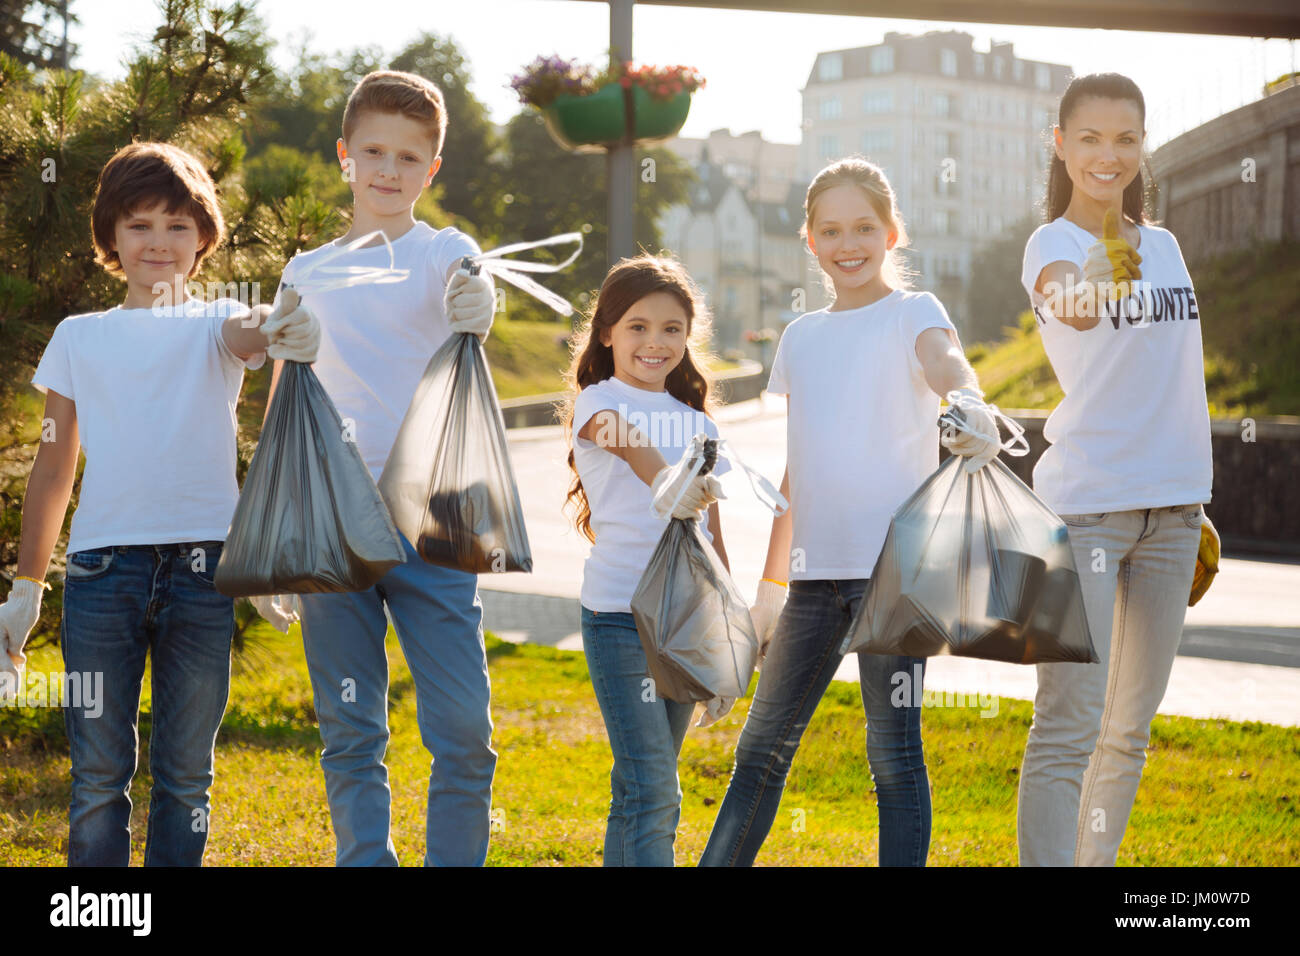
1087,745
645,733
438,618
121,604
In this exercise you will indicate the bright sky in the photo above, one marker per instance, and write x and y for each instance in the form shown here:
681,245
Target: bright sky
755,63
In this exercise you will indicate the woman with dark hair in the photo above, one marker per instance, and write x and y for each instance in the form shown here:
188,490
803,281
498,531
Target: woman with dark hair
1128,469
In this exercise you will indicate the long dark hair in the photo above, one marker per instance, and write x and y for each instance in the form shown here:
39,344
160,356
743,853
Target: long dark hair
630,281
1109,86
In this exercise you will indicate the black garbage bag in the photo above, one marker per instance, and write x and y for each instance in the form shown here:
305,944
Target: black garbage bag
309,517
693,622
448,481
974,565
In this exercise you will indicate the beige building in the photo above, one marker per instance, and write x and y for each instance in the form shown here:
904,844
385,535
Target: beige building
962,135
738,234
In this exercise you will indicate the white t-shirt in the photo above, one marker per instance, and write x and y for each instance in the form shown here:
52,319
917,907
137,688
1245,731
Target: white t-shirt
625,528
376,339
156,392
1133,430
862,433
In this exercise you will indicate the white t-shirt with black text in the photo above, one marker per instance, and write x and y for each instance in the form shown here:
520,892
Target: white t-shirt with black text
155,391
862,433
625,528
1133,430
376,339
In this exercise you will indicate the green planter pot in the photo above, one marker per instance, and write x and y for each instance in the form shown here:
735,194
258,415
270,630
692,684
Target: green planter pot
590,124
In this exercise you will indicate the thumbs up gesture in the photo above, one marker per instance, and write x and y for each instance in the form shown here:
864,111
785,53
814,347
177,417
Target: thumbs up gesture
1112,263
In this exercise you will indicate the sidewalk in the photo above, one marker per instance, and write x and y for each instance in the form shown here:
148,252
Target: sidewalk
1240,652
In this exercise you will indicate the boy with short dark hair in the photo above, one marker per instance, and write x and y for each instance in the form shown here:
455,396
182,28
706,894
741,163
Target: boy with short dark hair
375,343
149,388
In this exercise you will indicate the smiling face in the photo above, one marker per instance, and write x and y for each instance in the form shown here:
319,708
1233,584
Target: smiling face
392,161
851,244
155,247
649,340
1101,147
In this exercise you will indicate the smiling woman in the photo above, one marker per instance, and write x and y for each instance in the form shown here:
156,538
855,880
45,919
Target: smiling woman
1128,475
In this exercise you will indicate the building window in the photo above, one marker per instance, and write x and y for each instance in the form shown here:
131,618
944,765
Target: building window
830,66
997,67
979,64
1018,69
830,108
877,141
882,60
829,147
1042,76
1042,120
941,104
948,62
878,101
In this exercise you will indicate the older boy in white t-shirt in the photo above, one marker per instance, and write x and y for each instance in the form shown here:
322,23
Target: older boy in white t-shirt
376,341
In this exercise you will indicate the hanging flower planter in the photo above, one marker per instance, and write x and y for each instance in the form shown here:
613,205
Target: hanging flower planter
589,112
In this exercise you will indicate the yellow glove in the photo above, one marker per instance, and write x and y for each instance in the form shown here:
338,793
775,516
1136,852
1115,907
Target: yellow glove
1122,258
1207,561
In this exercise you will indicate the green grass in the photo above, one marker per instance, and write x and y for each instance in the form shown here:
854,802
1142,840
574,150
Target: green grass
1214,792
1249,304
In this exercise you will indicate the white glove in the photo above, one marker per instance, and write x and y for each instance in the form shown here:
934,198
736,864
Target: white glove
470,303
768,603
278,610
714,710
700,492
294,333
981,443
18,616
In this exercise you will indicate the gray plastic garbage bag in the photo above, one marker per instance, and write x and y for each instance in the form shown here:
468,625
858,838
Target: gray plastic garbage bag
448,481
974,565
693,621
309,517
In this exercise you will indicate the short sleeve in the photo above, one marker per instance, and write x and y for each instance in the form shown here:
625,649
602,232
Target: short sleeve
452,246
1045,246
778,381
223,309
590,400
54,371
925,312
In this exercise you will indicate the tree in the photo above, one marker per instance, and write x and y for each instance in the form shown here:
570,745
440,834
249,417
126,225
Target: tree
34,32
995,298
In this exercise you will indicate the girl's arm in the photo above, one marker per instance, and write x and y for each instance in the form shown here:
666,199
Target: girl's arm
49,488
611,432
715,529
944,363
777,567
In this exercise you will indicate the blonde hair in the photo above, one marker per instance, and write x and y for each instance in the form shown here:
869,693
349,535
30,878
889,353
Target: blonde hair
871,179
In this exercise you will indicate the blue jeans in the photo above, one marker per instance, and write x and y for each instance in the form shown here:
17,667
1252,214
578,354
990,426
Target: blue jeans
438,618
645,733
119,605
801,660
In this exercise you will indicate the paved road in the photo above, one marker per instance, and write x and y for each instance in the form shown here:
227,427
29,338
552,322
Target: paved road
1240,652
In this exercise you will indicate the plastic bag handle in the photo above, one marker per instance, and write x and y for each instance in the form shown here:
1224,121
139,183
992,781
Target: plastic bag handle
347,275
493,263
764,490
1017,446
